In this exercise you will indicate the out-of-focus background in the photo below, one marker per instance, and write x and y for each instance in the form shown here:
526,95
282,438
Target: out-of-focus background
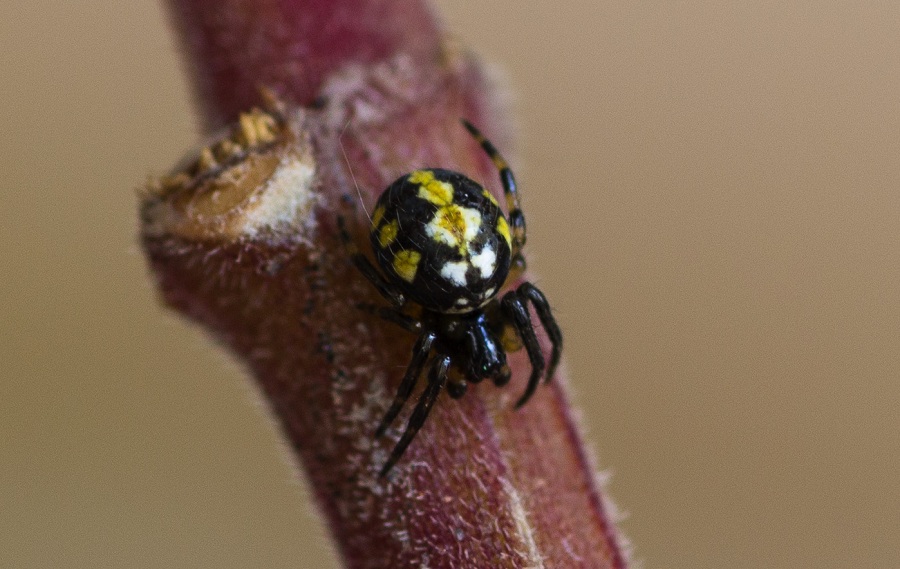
713,197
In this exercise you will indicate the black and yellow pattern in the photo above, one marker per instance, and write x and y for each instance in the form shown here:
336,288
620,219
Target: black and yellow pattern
444,239
443,243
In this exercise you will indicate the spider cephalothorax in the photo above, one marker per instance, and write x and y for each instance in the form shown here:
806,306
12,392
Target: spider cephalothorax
443,243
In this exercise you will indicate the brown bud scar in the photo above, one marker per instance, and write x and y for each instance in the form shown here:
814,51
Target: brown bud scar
254,180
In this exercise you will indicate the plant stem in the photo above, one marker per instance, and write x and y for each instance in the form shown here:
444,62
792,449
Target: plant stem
245,243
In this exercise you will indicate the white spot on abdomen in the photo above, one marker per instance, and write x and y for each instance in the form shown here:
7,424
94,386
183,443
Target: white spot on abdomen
455,272
485,261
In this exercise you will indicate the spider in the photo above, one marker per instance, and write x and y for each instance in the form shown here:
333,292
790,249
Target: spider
443,243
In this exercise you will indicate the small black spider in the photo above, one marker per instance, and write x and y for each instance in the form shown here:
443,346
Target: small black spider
442,242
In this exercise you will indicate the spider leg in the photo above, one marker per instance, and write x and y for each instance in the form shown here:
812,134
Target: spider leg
413,371
456,387
517,268
516,310
516,217
437,377
366,267
531,293
393,315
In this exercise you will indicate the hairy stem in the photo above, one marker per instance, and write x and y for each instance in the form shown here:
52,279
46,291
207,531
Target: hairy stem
243,239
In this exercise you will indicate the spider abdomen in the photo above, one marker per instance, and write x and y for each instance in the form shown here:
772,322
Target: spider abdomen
442,239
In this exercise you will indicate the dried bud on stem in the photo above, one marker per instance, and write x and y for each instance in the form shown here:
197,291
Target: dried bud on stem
242,238
254,181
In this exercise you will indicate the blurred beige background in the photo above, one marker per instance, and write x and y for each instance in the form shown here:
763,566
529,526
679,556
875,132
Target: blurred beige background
713,193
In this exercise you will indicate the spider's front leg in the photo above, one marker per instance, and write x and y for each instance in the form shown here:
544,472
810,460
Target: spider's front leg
413,371
529,292
437,377
517,312
515,307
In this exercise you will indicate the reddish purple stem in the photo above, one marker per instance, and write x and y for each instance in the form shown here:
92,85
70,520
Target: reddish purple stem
482,485
236,46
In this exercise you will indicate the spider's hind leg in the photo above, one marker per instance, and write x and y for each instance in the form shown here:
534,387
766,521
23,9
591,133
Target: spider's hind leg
394,315
366,267
514,209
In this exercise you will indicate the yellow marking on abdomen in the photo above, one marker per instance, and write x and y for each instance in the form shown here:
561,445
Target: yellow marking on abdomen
406,264
490,196
388,233
503,229
431,189
455,226
377,216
